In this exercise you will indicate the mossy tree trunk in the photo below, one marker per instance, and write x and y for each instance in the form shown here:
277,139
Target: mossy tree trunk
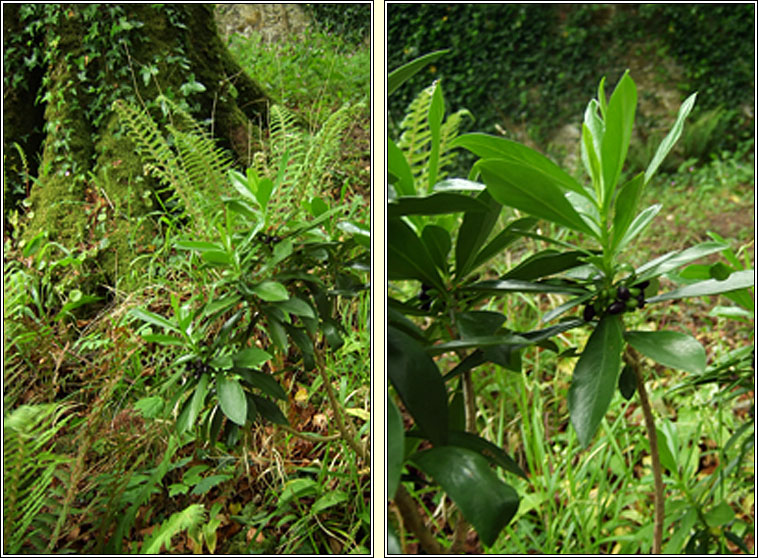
65,65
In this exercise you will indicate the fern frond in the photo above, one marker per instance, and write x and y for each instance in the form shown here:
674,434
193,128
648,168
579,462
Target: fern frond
189,518
415,139
323,150
204,165
287,144
29,468
155,151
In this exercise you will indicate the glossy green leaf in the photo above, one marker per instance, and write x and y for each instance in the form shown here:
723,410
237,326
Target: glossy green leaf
528,189
397,166
196,404
402,74
231,398
269,410
544,263
673,260
485,501
154,319
329,500
459,185
435,116
332,334
619,119
477,343
594,379
736,281
721,514
252,357
438,244
627,382
519,286
271,291
163,339
264,382
437,203
512,232
487,146
669,348
638,225
199,246
477,323
625,208
494,454
252,408
473,233
395,447
668,446
419,384
221,304
407,256
671,138
217,257
296,306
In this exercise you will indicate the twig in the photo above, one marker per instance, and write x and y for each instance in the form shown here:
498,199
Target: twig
647,412
413,522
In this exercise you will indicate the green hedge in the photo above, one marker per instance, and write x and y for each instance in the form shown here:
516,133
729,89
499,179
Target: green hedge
351,21
539,63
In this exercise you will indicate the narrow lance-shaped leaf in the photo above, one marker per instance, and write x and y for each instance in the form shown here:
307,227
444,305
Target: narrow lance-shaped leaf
232,399
594,379
485,501
670,139
625,210
436,114
619,119
670,348
473,233
738,280
419,384
402,74
397,166
395,447
528,189
408,257
486,146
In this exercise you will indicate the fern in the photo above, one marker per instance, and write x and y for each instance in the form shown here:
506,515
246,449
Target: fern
300,160
28,472
325,146
189,518
194,169
415,139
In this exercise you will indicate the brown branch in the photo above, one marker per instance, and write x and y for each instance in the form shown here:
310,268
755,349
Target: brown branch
647,412
412,521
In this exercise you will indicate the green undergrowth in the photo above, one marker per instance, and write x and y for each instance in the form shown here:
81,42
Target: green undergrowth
92,394
578,500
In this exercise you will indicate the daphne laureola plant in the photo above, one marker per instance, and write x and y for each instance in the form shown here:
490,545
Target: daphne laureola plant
602,286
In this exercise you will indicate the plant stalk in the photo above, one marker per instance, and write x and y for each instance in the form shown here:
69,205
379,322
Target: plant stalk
469,406
413,522
647,412
344,425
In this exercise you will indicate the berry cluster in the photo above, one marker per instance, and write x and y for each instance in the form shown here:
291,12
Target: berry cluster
624,299
197,367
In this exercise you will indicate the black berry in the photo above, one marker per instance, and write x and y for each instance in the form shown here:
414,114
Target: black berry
589,313
623,292
617,307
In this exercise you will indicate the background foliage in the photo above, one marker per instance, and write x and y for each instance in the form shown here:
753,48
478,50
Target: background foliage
507,61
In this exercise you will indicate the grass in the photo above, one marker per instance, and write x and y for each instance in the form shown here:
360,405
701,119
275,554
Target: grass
126,472
599,500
